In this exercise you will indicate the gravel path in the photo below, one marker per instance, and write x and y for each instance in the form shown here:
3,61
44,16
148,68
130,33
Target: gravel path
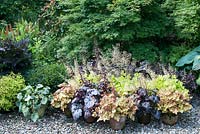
58,123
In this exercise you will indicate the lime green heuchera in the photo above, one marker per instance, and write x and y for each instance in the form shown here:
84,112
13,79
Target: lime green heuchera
125,84
174,97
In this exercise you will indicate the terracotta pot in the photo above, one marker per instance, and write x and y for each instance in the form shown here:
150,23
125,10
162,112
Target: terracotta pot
145,118
169,118
118,125
42,110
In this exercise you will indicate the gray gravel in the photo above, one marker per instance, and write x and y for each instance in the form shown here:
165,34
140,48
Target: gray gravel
57,123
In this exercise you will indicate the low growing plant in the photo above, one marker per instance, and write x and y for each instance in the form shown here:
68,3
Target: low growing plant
10,86
63,96
147,103
33,100
112,106
85,101
174,97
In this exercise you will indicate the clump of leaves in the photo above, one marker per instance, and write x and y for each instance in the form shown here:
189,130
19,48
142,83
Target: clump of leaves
124,84
32,101
147,104
10,86
188,80
14,55
112,106
63,96
174,97
86,99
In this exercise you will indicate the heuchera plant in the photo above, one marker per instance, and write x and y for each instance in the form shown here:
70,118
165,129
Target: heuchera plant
86,99
147,104
174,97
63,96
115,107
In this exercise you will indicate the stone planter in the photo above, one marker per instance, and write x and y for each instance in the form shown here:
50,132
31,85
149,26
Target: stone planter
169,118
144,118
118,125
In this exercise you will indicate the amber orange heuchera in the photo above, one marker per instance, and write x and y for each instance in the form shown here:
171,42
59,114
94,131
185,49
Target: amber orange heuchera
112,106
172,101
63,96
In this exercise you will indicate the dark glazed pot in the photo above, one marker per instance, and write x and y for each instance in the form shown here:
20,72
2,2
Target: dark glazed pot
144,118
68,112
91,119
118,125
169,118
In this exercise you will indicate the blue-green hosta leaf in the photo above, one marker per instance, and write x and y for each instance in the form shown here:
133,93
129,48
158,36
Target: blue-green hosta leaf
34,117
187,59
196,63
197,49
44,100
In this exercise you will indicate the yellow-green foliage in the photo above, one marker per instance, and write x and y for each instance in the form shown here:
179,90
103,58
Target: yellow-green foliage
125,84
174,97
10,85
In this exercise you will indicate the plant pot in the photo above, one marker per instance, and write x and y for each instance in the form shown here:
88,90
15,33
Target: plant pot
144,118
118,125
68,113
90,119
42,110
169,118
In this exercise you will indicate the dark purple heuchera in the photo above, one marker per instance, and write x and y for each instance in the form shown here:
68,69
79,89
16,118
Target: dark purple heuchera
147,103
188,80
84,102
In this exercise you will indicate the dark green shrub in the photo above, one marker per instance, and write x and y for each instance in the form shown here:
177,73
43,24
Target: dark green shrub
10,85
47,74
145,51
176,52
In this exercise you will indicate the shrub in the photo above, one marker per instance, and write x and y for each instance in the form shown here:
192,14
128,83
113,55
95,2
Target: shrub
10,85
14,55
145,51
47,74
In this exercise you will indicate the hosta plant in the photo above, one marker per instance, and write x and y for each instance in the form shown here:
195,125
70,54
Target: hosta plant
63,96
174,97
33,100
114,107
